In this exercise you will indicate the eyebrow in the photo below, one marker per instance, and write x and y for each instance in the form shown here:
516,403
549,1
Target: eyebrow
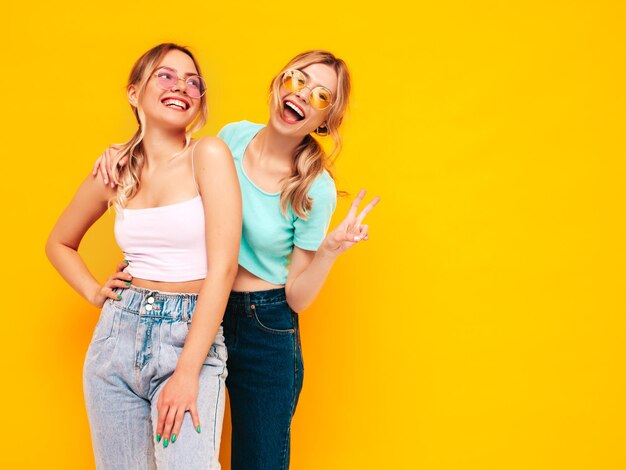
319,84
188,74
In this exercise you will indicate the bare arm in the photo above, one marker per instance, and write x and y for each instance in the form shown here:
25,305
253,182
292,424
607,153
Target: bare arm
221,197
87,206
309,269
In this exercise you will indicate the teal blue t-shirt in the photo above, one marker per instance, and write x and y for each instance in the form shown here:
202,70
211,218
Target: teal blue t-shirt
268,236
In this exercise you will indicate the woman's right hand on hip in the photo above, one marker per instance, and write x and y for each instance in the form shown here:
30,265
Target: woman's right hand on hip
118,279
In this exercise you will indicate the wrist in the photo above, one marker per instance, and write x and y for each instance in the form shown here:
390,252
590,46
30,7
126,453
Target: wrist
187,371
92,295
325,253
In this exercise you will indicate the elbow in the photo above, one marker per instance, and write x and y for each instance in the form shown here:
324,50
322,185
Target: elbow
225,271
295,304
49,248
297,307
56,250
231,272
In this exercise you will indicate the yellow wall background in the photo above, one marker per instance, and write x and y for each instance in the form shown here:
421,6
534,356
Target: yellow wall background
481,327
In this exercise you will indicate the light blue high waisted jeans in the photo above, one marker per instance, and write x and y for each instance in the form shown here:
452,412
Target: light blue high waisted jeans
134,350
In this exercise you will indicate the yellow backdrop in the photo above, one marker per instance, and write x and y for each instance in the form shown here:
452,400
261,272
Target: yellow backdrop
481,327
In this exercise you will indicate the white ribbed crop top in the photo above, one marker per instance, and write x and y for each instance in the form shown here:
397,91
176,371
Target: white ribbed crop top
165,243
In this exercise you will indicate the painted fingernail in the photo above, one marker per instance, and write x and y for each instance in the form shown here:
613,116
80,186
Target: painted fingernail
198,429
165,443
126,261
127,283
158,438
119,297
173,438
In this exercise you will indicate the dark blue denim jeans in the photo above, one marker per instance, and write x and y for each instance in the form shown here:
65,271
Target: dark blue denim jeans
264,380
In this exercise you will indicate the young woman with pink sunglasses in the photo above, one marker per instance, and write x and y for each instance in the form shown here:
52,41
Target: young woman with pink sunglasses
153,378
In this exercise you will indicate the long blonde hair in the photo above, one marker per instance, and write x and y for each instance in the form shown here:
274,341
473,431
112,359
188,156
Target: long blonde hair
127,179
310,159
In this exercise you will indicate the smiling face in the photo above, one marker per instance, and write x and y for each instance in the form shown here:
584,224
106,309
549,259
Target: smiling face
296,116
171,108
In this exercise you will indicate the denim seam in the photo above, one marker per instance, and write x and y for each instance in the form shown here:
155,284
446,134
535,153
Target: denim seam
217,401
101,320
274,331
279,301
293,404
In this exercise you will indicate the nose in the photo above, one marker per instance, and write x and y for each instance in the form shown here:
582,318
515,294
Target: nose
176,86
301,94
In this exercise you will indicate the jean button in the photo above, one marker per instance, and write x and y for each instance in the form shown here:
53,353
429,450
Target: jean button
148,307
150,300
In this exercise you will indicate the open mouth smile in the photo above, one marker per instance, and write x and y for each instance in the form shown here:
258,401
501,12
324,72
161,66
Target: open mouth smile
178,104
292,113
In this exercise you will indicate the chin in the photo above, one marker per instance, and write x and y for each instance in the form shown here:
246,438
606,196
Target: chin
177,124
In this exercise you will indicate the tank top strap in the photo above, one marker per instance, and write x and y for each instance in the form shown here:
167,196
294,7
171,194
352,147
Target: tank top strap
193,170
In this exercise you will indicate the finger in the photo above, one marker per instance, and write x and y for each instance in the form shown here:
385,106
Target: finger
103,173
364,231
355,204
367,209
121,266
168,425
122,276
115,283
350,237
96,165
114,172
106,164
107,159
178,422
111,294
162,413
357,233
109,153
193,411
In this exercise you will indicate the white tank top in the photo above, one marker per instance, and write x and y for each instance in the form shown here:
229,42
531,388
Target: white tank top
165,243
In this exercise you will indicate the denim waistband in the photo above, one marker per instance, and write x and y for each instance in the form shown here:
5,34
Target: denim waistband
154,303
259,297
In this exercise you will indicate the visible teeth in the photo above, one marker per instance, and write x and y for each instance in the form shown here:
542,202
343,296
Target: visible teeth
173,102
295,108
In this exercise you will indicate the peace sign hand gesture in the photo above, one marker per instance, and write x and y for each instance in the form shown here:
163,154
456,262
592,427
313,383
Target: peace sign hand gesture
350,231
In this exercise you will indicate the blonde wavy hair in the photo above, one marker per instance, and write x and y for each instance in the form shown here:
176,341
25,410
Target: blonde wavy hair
127,178
310,159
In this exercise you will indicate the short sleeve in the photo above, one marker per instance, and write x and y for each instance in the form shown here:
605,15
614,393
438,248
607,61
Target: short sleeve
309,233
226,132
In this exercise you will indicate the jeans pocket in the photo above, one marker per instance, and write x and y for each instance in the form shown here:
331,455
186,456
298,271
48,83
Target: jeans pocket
106,323
178,333
274,318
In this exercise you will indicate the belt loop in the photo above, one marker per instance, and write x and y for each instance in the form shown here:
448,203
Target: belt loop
247,307
185,309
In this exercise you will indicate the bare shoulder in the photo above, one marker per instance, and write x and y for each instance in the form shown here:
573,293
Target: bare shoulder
93,189
211,151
